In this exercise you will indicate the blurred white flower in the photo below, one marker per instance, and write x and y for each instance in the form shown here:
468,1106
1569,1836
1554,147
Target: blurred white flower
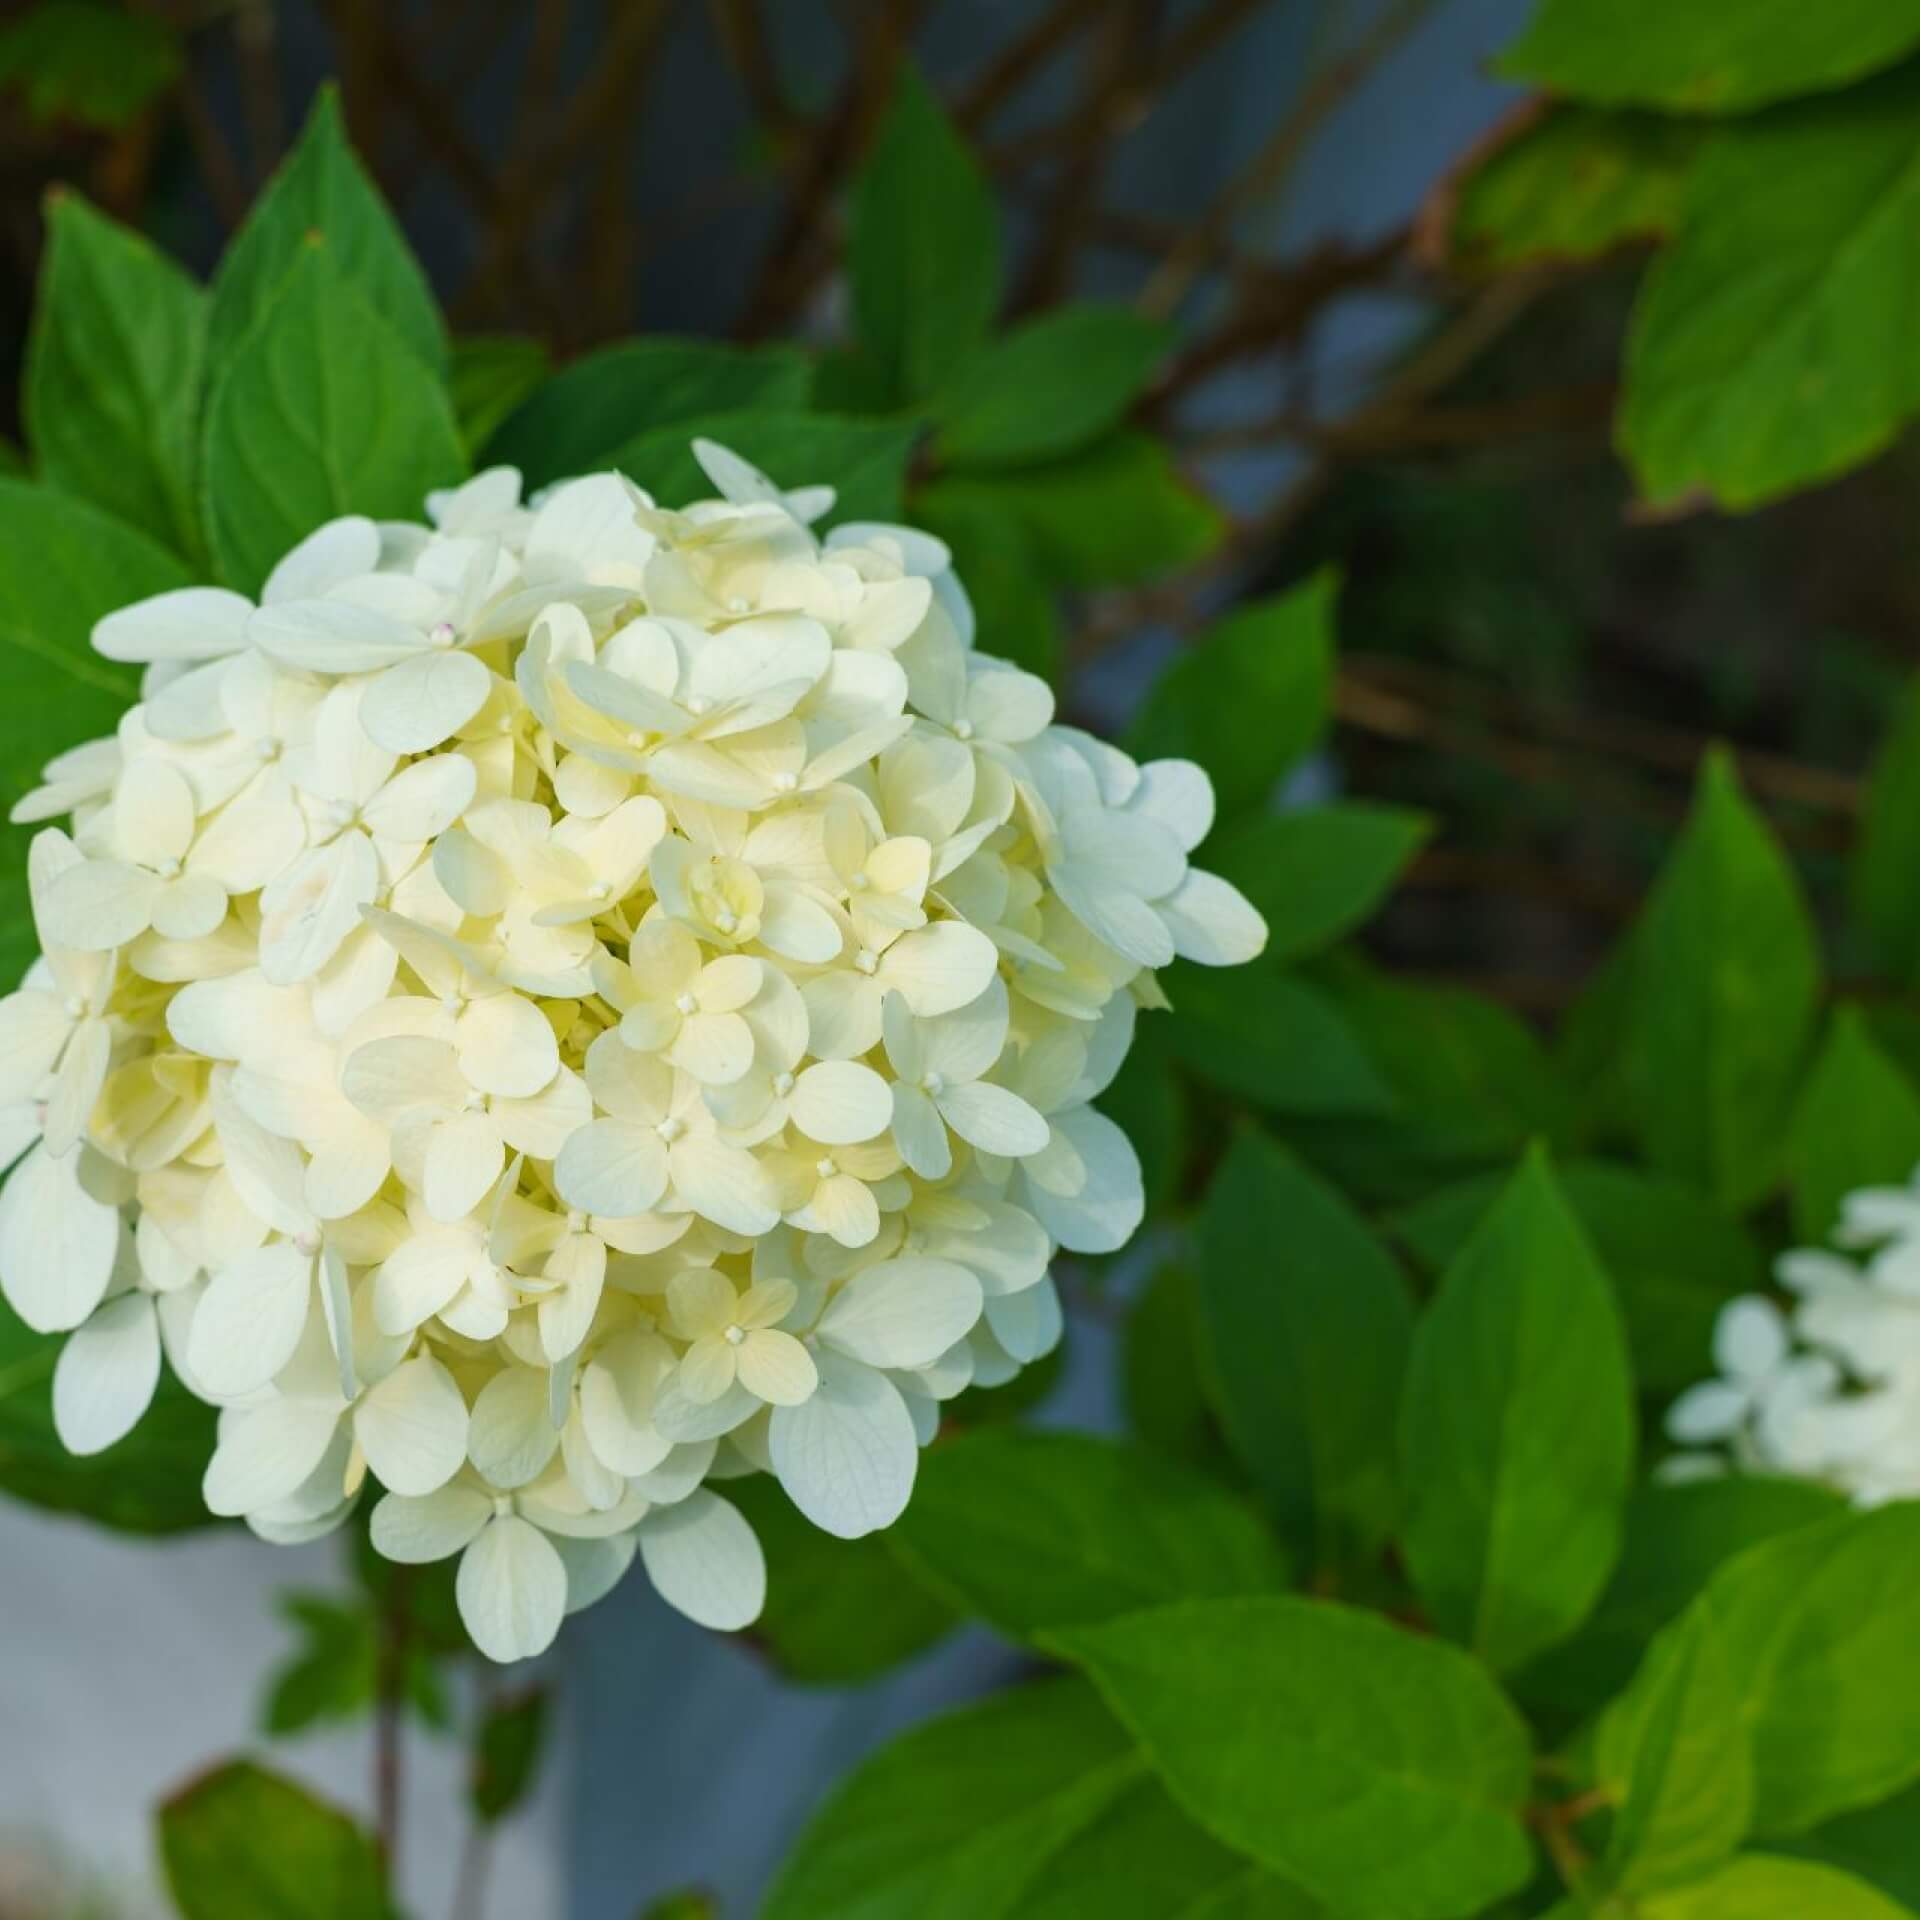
574,1001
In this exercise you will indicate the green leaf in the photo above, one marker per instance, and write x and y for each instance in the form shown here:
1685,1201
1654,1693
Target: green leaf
506,1754
322,192
1049,387
1318,873
1116,514
865,461
1708,57
1273,1039
332,1675
1677,1538
1143,1859
1672,1754
320,411
956,1819
1517,1429
1571,183
84,61
1888,855
1013,605
923,255
1674,1258
1857,1124
1815,1627
148,1482
63,565
1380,1771
816,1584
1305,1322
1765,352
1761,1886
244,1844
1726,980
689,1903
113,373
580,419
1250,698
1034,1530
492,375
1167,1398
1876,1843
1471,1084
1147,1101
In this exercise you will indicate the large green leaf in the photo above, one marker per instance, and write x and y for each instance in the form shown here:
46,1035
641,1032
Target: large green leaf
923,256
1764,1886
1708,55
1517,1429
1050,386
244,1844
1677,1538
1013,605
1877,1843
1319,873
1888,854
1164,1382
817,1583
321,192
1815,1627
1305,1324
320,411
578,421
1115,514
63,565
1381,1771
956,1819
113,373
1672,1755
1768,347
1272,1038
864,461
1143,1859
1857,1124
1674,1258
506,1756
1034,1530
1726,977
1572,184
1250,697
491,377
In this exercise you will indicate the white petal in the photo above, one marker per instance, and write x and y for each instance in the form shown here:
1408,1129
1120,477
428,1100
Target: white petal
993,1119
839,1102
506,1045
265,1453
1027,1323
465,1155
941,967
250,1319
847,1457
902,1313
415,1532
920,1133
58,1238
1212,922
594,1567
1710,1410
612,1167
313,906
423,800
413,1427
96,905
1102,1217
511,1435
105,1376
1178,794
704,1560
34,1026
191,623
415,706
328,557
723,1184
1749,1340
512,1590
418,1278
333,636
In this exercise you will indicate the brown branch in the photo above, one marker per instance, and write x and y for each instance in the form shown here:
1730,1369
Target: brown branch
744,40
1277,157
1020,60
218,169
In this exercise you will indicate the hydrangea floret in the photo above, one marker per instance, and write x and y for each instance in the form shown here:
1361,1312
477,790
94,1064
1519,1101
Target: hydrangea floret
560,1007
1828,1390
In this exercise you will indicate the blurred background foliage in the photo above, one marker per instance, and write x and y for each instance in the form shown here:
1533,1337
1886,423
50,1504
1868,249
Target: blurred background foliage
1532,576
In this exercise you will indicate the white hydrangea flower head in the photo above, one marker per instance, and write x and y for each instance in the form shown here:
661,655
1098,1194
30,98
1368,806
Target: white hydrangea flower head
570,1003
1829,1391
